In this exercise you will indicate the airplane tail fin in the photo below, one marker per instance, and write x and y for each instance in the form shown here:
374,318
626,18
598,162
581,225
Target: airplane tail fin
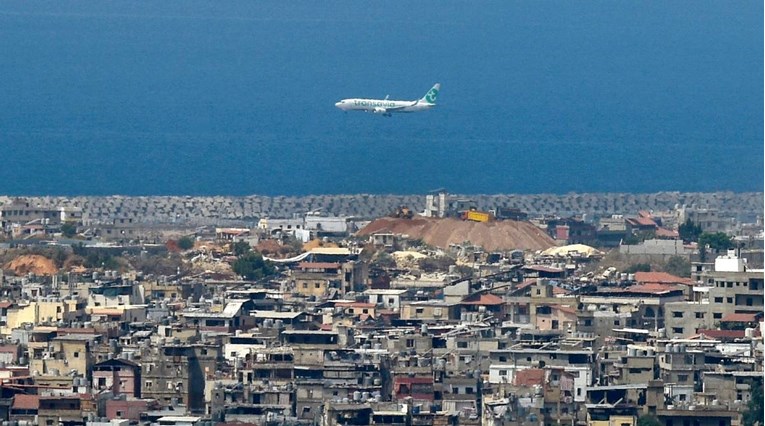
432,94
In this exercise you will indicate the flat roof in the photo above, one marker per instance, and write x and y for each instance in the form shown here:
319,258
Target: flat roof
340,251
386,291
632,330
176,419
618,387
274,314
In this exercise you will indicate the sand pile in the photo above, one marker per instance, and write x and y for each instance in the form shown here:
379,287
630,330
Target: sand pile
34,263
500,235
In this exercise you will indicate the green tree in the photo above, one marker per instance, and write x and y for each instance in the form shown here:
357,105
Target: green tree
185,243
96,260
252,266
384,260
638,267
465,271
631,240
648,420
716,241
754,411
678,266
240,248
689,231
434,264
69,230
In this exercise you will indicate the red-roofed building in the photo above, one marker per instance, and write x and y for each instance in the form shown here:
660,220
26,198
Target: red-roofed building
666,234
652,288
418,388
529,377
743,319
559,291
725,336
485,299
129,408
640,224
494,305
661,278
25,407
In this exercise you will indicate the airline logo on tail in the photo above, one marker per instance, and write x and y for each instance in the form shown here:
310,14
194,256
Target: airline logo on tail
430,97
386,107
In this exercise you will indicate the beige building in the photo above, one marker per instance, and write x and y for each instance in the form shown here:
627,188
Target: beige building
45,310
429,310
61,355
731,288
325,279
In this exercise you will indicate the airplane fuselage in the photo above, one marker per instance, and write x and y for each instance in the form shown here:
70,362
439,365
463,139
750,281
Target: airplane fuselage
386,106
382,106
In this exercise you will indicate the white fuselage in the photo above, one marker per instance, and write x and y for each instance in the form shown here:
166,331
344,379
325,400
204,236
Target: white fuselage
383,106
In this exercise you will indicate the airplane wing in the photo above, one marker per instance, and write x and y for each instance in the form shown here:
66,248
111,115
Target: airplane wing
401,107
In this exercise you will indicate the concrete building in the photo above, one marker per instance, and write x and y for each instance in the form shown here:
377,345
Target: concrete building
176,374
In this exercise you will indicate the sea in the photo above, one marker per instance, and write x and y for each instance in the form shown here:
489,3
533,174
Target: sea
193,97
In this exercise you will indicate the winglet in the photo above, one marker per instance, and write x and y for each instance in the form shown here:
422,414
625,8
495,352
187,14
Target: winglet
432,94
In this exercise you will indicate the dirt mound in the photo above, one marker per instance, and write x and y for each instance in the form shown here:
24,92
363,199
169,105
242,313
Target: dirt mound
500,235
34,263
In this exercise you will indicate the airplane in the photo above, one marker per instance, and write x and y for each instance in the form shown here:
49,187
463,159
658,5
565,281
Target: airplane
386,107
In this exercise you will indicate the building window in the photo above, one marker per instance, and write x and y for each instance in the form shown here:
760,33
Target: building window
462,345
119,414
305,285
729,300
677,314
419,310
503,372
717,315
76,354
700,315
677,330
469,390
718,299
317,285
409,343
682,378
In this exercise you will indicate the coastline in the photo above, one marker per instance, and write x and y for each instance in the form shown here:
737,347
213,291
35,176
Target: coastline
203,210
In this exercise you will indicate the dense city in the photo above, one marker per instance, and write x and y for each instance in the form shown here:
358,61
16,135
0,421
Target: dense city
446,310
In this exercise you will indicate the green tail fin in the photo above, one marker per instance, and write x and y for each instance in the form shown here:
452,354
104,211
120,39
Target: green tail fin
432,94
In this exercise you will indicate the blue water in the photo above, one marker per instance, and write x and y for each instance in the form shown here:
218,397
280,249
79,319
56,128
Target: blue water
236,97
